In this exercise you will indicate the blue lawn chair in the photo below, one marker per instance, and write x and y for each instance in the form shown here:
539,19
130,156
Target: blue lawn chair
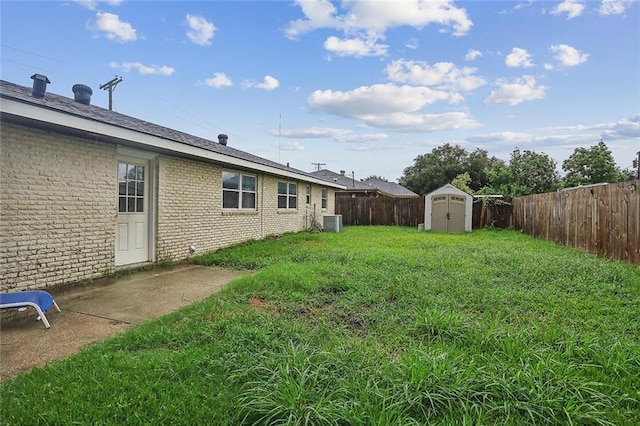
38,299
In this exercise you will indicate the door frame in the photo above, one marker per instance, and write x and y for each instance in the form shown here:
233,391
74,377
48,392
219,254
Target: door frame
124,153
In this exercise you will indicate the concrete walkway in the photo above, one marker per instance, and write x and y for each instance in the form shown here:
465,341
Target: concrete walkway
95,311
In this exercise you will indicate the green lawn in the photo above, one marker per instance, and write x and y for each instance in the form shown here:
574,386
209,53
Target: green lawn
370,326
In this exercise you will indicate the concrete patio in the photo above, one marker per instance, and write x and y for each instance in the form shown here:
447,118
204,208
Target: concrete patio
97,310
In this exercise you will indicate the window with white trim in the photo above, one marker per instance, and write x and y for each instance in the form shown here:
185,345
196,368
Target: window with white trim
308,198
287,195
238,191
324,198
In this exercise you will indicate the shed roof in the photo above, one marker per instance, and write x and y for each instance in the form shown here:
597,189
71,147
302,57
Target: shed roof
57,110
449,189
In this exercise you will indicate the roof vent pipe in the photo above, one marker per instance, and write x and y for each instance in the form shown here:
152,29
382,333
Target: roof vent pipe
82,93
39,85
222,139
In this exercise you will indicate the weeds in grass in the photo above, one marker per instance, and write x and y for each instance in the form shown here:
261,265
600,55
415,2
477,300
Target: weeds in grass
375,326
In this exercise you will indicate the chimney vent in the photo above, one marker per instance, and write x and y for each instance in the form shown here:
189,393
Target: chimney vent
39,85
342,172
222,139
82,93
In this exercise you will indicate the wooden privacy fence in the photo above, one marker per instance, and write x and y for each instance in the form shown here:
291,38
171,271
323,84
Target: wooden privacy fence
380,211
410,212
492,213
600,219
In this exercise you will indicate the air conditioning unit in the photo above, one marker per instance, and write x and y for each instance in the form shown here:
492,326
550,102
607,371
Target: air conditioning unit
332,223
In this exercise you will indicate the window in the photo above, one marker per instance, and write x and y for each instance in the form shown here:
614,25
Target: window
308,194
238,191
287,195
324,198
130,188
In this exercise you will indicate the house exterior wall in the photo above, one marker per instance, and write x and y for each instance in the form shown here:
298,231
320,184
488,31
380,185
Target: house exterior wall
57,208
190,209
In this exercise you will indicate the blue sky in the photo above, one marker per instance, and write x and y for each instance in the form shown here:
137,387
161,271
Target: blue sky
362,86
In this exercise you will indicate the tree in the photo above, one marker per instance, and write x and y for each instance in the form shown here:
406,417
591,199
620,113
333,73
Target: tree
440,166
592,165
527,173
375,177
462,182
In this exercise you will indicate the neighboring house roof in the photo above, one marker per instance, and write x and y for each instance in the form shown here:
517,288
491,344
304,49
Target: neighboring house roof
347,181
390,189
16,101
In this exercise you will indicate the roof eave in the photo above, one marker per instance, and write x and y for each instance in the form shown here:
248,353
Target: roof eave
59,118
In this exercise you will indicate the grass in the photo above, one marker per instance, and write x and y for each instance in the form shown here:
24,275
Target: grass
370,326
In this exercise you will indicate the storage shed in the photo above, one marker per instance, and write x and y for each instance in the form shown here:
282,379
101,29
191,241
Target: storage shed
448,209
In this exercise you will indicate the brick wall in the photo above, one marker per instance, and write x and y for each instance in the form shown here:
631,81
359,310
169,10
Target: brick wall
58,211
190,210
57,208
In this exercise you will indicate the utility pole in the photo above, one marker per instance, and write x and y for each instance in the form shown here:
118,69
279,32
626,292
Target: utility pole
111,86
318,165
636,165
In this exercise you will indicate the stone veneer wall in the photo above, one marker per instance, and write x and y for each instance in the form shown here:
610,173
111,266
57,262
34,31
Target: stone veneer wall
57,208
190,210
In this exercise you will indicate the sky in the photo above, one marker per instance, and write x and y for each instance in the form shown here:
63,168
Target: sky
360,86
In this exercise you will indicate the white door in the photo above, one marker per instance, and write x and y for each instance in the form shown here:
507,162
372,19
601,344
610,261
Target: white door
132,233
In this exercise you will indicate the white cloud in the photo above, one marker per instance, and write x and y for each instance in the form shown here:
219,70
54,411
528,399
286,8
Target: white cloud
269,83
568,56
423,122
378,99
390,107
472,55
563,137
357,47
200,30
518,58
623,129
517,7
143,69
442,75
520,90
380,16
613,7
93,4
338,135
572,8
318,13
290,146
363,22
114,28
412,43
219,80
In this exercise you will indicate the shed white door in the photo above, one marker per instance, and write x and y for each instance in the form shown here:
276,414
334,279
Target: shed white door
447,213
132,233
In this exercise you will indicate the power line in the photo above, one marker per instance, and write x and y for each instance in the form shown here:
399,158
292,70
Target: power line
30,53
